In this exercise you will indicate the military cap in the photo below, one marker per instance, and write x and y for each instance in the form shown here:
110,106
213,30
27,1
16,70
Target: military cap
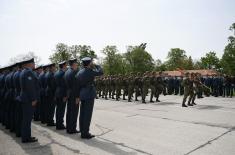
44,67
51,65
86,61
61,64
39,67
28,61
187,73
72,61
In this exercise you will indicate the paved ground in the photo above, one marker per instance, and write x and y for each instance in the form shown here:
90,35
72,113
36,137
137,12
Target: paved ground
124,128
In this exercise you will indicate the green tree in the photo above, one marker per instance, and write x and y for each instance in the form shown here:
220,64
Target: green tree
61,53
138,59
228,58
113,61
176,59
85,51
160,66
210,61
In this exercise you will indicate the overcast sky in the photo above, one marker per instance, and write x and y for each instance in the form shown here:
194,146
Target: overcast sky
197,26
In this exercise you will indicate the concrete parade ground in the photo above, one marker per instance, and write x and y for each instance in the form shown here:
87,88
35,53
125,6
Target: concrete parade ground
124,128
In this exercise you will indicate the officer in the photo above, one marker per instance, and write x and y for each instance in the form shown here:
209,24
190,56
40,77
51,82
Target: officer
72,106
28,97
18,108
86,94
60,95
43,107
50,94
37,116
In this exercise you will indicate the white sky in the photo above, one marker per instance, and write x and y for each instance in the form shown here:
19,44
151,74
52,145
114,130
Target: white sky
197,26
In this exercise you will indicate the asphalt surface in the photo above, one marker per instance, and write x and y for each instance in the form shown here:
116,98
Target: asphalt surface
123,128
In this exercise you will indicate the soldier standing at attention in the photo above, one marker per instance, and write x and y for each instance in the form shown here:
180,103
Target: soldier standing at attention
146,85
72,106
130,81
86,94
50,93
60,95
29,98
152,86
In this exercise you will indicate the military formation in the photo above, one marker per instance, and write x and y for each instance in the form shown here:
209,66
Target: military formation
55,90
191,85
48,92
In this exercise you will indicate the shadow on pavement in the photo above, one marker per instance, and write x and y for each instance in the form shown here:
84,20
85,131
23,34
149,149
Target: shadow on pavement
29,148
99,143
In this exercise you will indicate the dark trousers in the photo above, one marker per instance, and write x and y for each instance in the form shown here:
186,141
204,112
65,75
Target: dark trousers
37,112
51,109
43,109
60,110
86,110
71,115
18,118
27,115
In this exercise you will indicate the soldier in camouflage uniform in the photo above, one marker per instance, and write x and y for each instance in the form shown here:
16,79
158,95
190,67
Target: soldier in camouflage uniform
152,78
113,86
159,86
188,89
125,86
118,88
146,85
137,86
130,80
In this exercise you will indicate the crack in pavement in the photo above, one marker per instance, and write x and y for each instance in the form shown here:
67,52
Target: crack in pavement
210,141
125,146
53,141
132,115
102,131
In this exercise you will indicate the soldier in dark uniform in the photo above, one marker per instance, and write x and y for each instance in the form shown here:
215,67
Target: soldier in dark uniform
2,85
18,107
60,95
37,112
176,85
72,106
3,93
181,87
159,86
50,94
118,87
43,107
86,94
28,97
124,86
9,97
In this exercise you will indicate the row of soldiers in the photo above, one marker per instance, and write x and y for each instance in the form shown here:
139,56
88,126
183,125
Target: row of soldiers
134,85
41,93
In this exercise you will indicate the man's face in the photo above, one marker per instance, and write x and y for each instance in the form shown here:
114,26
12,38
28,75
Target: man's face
75,66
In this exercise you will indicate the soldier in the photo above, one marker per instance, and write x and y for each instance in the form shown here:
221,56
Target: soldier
159,86
28,97
60,95
137,86
50,94
124,86
43,107
3,94
176,85
188,89
37,112
118,87
146,85
18,111
86,94
153,84
113,86
130,81
181,87
72,106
